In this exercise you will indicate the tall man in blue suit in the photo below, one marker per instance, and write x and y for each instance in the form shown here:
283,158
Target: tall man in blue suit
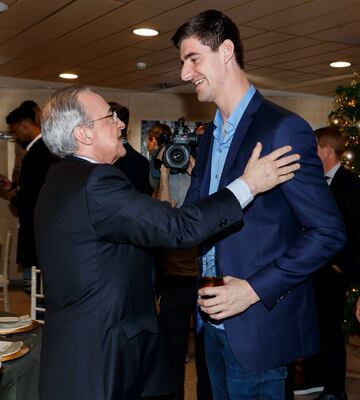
265,307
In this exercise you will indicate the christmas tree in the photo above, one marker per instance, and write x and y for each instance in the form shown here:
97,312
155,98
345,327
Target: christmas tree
346,117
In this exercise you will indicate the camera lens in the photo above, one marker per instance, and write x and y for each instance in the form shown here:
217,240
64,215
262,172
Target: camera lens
176,156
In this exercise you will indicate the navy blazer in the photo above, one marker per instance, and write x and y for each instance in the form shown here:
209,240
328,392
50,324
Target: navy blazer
101,338
287,234
34,168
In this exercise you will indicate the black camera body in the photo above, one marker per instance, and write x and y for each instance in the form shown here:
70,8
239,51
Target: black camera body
178,149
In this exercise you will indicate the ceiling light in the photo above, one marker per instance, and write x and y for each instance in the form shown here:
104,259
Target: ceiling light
340,64
68,76
141,65
145,32
3,7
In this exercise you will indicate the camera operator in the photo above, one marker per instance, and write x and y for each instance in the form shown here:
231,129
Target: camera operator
157,136
178,287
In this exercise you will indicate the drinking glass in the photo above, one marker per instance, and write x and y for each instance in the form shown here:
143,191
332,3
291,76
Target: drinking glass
209,273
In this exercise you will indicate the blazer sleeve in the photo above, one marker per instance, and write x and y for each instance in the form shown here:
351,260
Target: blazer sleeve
309,197
121,214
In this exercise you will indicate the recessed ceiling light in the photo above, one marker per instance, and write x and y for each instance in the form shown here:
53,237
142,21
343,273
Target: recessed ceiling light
68,76
3,7
145,32
340,64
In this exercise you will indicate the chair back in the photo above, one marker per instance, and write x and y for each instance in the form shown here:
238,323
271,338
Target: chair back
4,273
37,305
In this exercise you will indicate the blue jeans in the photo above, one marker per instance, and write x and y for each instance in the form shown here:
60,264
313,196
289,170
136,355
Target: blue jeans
230,381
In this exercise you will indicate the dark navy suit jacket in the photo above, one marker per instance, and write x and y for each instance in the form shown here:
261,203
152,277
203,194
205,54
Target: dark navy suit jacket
287,234
100,339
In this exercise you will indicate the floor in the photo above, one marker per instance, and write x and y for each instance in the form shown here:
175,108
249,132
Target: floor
20,304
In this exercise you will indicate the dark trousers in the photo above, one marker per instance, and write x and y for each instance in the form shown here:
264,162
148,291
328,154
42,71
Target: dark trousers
177,304
329,366
330,292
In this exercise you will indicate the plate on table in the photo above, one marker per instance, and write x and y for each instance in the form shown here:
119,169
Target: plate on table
17,326
12,350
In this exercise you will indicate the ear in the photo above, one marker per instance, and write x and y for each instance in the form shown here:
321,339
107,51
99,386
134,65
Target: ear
228,50
24,124
83,135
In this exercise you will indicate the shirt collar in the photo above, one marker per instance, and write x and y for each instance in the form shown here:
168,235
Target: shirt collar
87,159
31,144
238,112
331,173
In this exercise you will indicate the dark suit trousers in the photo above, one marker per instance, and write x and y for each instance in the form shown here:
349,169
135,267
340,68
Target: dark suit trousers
177,304
330,292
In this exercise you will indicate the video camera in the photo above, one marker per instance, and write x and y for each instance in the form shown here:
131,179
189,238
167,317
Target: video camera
178,149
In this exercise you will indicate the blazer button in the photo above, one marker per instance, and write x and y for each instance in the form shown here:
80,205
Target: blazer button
223,223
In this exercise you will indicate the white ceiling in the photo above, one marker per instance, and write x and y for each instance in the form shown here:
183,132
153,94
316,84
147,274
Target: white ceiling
288,43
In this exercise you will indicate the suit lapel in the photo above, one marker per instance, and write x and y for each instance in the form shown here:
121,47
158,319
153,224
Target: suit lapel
206,151
239,135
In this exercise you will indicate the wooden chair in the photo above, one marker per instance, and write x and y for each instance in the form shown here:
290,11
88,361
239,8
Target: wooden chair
37,310
4,273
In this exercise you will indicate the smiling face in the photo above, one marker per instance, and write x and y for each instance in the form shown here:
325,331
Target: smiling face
104,144
203,67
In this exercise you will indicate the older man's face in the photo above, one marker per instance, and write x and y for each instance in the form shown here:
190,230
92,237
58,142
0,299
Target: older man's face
106,145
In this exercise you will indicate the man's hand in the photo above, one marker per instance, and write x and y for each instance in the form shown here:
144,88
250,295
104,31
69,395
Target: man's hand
5,184
234,297
357,311
191,165
262,174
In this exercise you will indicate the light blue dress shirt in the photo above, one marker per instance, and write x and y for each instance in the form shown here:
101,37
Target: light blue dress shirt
223,136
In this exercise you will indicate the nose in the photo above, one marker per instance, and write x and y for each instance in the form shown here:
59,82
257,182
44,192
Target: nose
186,72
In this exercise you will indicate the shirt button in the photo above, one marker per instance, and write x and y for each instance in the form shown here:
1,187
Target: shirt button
220,151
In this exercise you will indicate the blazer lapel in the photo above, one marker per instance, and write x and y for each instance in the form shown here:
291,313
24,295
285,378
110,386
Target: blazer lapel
239,135
206,152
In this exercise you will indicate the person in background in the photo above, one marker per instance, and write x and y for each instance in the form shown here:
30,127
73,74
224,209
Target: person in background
20,148
265,313
23,124
157,136
326,372
134,165
93,230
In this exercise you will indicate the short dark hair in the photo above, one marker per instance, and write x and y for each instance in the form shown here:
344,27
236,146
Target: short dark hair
30,104
331,136
212,28
20,114
122,113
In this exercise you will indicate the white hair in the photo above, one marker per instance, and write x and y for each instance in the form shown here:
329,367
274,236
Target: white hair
61,115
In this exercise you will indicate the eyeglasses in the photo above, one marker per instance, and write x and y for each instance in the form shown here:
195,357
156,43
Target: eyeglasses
113,116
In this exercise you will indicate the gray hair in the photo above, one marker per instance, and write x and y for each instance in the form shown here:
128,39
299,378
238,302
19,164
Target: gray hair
61,115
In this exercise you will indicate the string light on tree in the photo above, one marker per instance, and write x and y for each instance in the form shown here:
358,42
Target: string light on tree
346,117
